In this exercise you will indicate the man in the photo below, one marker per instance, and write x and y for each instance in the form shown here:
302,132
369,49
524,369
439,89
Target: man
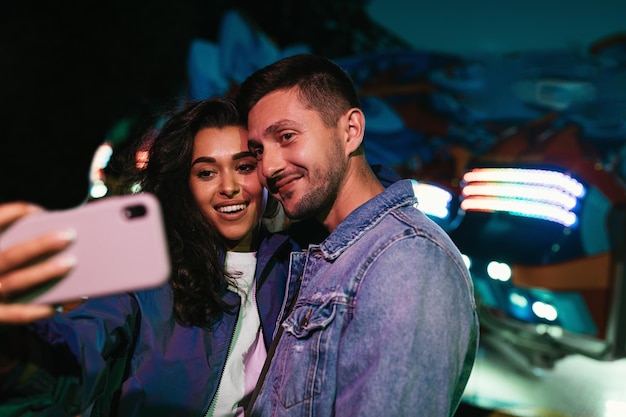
385,322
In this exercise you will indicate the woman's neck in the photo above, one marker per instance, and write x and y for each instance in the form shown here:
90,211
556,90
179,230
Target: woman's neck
249,243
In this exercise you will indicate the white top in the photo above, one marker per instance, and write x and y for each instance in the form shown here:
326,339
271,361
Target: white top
247,351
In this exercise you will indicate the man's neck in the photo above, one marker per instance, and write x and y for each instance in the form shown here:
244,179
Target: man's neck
359,186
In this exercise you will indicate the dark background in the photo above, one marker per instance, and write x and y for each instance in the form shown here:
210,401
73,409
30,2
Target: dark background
69,70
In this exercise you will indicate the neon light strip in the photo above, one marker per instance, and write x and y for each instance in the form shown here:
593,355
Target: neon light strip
526,176
535,193
521,208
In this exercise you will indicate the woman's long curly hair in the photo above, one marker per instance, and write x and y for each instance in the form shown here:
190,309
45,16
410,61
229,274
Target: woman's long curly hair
197,251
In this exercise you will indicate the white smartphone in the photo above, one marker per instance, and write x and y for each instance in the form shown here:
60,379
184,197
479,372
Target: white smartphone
120,246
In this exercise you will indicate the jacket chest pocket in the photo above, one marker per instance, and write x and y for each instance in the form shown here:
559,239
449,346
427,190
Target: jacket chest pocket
307,351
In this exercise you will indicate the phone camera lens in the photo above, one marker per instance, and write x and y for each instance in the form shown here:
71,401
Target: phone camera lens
132,212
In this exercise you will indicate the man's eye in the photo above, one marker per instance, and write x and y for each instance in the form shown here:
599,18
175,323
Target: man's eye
257,152
286,136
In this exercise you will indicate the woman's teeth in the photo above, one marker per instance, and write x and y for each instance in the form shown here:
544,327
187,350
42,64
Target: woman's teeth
231,209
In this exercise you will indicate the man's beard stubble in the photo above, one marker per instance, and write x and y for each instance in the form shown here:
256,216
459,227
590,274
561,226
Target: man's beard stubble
325,182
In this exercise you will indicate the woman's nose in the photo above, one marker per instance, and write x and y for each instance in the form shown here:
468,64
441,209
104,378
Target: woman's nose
229,185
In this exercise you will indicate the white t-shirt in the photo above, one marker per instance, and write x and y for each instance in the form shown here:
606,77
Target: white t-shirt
247,351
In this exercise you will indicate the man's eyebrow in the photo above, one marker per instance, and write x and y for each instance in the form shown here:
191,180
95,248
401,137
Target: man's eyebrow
278,125
244,154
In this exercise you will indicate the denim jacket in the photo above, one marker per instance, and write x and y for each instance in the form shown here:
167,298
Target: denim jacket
126,355
384,324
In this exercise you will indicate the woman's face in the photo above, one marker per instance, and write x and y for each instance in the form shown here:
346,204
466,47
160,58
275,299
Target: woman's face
225,184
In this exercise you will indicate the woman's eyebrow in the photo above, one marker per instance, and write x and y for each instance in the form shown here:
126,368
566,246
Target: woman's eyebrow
210,159
200,159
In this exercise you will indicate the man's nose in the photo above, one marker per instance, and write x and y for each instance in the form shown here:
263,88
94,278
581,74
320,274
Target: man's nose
272,163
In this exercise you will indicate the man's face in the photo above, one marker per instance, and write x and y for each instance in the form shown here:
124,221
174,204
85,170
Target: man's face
302,162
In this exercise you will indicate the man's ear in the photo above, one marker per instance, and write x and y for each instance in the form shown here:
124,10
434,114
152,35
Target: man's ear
355,130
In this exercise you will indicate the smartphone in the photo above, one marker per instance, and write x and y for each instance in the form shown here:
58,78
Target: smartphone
120,246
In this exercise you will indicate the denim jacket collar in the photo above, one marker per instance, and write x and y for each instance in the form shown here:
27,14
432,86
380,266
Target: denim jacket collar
366,216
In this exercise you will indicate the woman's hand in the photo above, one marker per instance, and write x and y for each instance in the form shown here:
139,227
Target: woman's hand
19,269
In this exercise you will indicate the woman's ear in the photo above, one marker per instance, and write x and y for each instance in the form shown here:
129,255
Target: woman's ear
355,130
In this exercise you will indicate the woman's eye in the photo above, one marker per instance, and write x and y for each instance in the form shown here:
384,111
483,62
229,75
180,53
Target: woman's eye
205,174
247,167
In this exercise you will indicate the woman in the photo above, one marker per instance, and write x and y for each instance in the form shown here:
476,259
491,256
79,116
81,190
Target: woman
196,345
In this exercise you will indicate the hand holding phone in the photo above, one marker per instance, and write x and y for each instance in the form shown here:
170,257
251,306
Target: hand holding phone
17,271
120,245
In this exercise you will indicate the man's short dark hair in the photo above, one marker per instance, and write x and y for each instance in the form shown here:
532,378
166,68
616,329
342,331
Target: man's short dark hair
321,84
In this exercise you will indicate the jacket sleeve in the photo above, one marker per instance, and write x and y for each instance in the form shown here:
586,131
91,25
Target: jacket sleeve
410,345
72,359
